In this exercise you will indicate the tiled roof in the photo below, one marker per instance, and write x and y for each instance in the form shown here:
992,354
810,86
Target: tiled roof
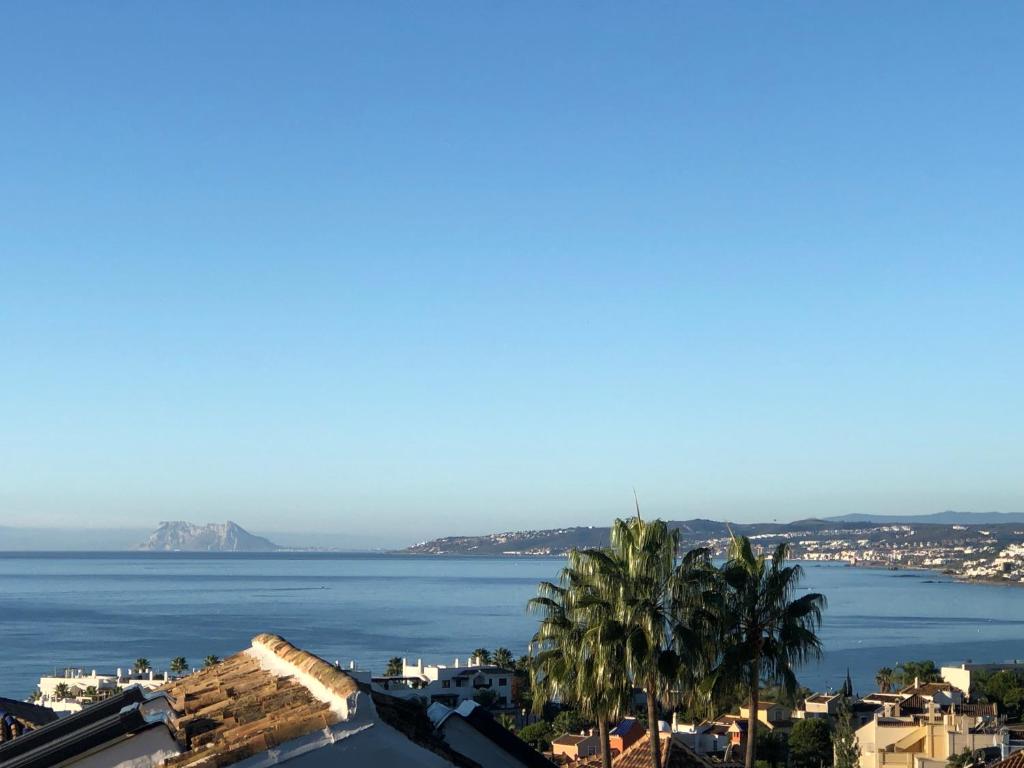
1016,760
237,708
31,714
674,754
569,739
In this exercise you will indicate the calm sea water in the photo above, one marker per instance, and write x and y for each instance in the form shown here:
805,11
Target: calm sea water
103,610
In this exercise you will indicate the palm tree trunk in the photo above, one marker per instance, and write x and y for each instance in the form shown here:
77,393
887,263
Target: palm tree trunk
755,696
606,747
652,723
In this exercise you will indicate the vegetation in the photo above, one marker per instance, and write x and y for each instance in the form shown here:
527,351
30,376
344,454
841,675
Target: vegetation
482,656
486,698
633,615
922,671
766,630
844,741
142,665
570,721
179,664
884,679
502,657
772,749
810,744
61,691
1004,688
210,661
394,667
966,759
507,721
538,735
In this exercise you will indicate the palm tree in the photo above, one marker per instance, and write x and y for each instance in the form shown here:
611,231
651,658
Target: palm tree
141,664
883,679
653,601
61,691
395,667
179,664
482,656
211,661
766,633
507,721
578,651
502,657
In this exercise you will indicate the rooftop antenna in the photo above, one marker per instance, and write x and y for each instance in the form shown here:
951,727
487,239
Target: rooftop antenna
636,502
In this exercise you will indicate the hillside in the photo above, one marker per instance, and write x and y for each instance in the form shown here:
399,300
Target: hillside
180,536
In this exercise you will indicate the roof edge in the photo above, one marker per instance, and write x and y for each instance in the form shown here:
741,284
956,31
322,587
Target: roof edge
325,681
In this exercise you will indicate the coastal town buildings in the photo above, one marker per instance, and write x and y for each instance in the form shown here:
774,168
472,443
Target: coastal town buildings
270,704
451,685
74,689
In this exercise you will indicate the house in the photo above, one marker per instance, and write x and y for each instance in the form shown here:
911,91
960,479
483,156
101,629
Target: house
19,717
625,735
707,737
771,714
821,705
962,677
271,704
925,740
74,689
941,693
452,685
470,730
573,746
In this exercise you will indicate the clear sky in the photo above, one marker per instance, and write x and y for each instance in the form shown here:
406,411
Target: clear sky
408,270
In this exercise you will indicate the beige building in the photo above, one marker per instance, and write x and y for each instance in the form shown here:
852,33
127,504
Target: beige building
924,741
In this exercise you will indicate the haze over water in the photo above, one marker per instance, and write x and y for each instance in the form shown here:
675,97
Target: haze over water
103,610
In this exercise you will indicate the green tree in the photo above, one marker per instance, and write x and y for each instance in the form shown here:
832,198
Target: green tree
486,698
538,735
502,657
142,665
771,748
569,721
883,679
179,664
652,599
61,691
578,651
966,759
922,671
766,631
507,721
810,744
482,656
846,749
394,667
211,661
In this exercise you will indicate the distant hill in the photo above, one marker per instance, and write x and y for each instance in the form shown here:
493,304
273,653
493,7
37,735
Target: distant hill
69,539
948,517
180,536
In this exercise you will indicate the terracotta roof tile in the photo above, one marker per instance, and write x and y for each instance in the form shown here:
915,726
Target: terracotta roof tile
237,708
1016,760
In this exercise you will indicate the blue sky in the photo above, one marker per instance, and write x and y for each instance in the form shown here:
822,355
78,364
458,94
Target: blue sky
405,270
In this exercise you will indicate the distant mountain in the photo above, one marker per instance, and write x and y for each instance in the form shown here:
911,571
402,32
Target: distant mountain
69,539
948,517
180,536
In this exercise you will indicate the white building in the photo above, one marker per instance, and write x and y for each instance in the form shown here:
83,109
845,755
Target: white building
450,685
84,688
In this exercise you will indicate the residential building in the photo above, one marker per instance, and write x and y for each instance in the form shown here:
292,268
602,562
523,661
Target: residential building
18,718
271,704
573,746
963,676
820,705
624,735
74,689
771,714
450,685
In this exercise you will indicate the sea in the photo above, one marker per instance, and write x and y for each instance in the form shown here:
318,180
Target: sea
103,610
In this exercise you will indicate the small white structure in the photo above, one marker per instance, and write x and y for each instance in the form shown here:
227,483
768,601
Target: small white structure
450,686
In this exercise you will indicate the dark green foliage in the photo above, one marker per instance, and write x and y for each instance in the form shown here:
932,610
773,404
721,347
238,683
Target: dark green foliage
394,667
570,721
486,698
923,671
538,735
771,748
1004,688
810,744
844,741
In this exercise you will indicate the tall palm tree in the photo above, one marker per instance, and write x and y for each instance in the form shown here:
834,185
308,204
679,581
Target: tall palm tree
211,661
179,664
395,667
142,664
883,679
482,656
61,691
766,630
502,657
578,651
651,597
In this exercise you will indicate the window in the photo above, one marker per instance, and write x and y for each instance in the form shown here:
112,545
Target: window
459,682
502,681
446,683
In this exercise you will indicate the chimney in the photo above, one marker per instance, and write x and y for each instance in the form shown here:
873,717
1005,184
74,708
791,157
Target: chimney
151,674
1004,743
917,682
119,672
